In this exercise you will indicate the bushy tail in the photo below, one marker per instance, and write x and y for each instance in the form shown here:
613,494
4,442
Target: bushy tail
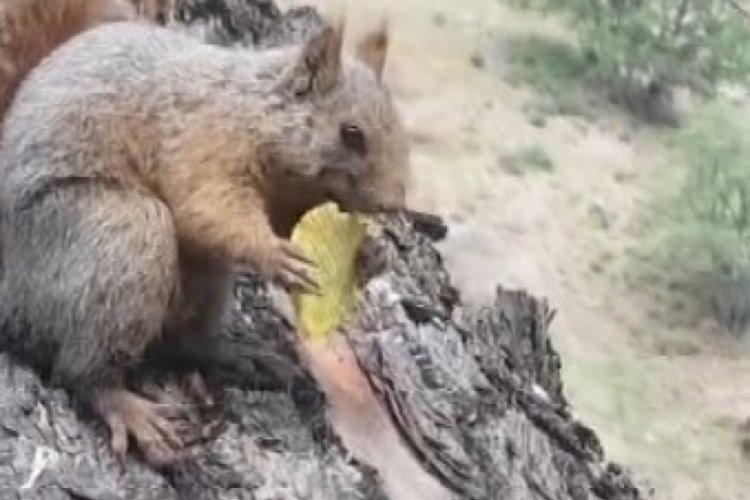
31,29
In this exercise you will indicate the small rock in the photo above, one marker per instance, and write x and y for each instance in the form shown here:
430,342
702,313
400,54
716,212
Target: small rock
599,216
538,120
745,439
477,60
623,176
625,136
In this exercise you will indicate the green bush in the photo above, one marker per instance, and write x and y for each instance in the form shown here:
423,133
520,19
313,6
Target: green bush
643,48
557,71
699,228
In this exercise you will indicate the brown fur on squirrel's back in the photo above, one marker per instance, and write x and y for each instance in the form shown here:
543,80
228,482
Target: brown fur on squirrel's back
31,29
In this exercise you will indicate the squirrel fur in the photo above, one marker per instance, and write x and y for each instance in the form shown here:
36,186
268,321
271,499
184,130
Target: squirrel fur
31,29
139,165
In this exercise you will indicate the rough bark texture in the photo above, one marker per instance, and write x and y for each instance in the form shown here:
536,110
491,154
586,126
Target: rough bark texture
475,393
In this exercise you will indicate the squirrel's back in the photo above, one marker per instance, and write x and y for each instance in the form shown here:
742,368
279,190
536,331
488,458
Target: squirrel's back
130,102
31,29
86,98
120,93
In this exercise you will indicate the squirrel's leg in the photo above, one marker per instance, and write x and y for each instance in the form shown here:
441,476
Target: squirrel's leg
97,269
198,343
230,221
194,324
151,424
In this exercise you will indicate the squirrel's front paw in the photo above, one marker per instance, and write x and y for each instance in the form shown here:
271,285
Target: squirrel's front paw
291,269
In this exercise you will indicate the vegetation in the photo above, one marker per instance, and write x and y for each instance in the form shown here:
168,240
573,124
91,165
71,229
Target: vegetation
528,158
641,49
558,71
700,224
638,51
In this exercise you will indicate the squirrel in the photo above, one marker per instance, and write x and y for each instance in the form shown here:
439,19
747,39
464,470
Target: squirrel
139,165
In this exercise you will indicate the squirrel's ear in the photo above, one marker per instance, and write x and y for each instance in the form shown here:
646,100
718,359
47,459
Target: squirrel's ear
372,49
320,66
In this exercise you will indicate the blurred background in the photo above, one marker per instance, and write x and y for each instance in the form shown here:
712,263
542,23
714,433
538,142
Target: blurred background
595,152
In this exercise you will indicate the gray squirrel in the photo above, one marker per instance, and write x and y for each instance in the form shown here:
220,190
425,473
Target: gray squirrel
139,165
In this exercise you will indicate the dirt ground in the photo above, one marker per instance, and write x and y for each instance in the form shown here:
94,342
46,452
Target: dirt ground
667,397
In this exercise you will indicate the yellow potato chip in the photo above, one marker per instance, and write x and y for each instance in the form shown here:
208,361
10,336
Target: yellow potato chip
330,238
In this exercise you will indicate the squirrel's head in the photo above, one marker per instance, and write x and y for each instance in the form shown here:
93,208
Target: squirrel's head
342,135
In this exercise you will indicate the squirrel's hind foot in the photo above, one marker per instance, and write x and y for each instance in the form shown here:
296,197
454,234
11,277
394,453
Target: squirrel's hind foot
153,425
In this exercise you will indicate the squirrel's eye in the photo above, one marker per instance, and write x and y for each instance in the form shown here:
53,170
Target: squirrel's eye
353,138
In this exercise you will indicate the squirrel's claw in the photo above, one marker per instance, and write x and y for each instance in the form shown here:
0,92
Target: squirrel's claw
167,431
299,282
290,250
197,388
296,271
118,439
